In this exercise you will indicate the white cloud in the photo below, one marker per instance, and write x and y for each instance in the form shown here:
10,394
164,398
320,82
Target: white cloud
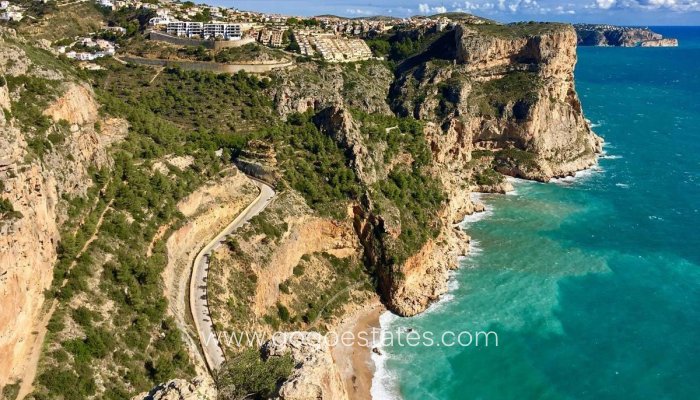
672,5
562,10
358,11
424,8
473,6
605,4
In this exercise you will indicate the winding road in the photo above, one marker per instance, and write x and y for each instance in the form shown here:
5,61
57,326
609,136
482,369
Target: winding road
199,306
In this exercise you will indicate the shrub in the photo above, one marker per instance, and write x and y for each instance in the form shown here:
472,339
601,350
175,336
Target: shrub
283,312
284,287
488,177
7,210
298,270
249,376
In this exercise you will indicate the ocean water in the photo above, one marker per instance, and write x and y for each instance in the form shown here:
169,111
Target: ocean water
592,284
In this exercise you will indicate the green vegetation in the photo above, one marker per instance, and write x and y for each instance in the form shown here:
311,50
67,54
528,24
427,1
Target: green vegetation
272,229
417,195
488,177
199,53
517,29
448,97
513,157
7,211
147,348
299,269
247,53
310,22
399,45
325,299
283,312
35,95
476,154
314,164
516,89
134,20
249,376
223,107
418,198
399,135
234,293
10,391
69,21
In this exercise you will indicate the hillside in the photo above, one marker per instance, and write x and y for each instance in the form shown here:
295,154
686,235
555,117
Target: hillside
114,178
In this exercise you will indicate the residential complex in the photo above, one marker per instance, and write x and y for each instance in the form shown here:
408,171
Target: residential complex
334,39
205,31
332,47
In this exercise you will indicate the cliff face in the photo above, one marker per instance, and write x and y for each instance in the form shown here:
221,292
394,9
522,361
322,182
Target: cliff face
512,98
504,93
34,186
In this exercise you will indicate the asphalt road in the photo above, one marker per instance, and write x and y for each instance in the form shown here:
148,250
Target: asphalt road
213,353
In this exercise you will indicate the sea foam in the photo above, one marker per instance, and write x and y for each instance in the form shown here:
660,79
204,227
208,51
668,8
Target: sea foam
384,383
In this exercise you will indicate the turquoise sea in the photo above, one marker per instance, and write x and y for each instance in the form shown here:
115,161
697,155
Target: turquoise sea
592,284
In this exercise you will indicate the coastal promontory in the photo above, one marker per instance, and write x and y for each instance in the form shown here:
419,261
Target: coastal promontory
621,36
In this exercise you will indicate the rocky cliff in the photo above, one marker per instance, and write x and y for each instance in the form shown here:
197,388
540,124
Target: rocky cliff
501,91
621,36
35,177
505,93
316,375
376,165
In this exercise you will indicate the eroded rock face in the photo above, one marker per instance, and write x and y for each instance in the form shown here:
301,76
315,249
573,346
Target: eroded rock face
180,389
541,116
315,376
337,122
310,87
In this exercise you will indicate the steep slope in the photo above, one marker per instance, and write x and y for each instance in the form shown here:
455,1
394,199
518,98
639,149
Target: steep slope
37,172
504,94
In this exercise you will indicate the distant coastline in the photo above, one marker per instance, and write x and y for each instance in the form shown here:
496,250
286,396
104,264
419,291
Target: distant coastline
601,35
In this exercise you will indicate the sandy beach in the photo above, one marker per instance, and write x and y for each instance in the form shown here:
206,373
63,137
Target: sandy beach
355,361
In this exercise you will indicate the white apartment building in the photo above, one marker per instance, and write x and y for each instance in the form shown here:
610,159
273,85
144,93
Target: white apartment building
206,31
188,29
221,30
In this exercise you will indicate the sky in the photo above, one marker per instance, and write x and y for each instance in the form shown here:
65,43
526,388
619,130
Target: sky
620,12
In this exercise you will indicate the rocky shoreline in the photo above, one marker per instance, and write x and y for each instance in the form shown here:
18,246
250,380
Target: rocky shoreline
620,36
